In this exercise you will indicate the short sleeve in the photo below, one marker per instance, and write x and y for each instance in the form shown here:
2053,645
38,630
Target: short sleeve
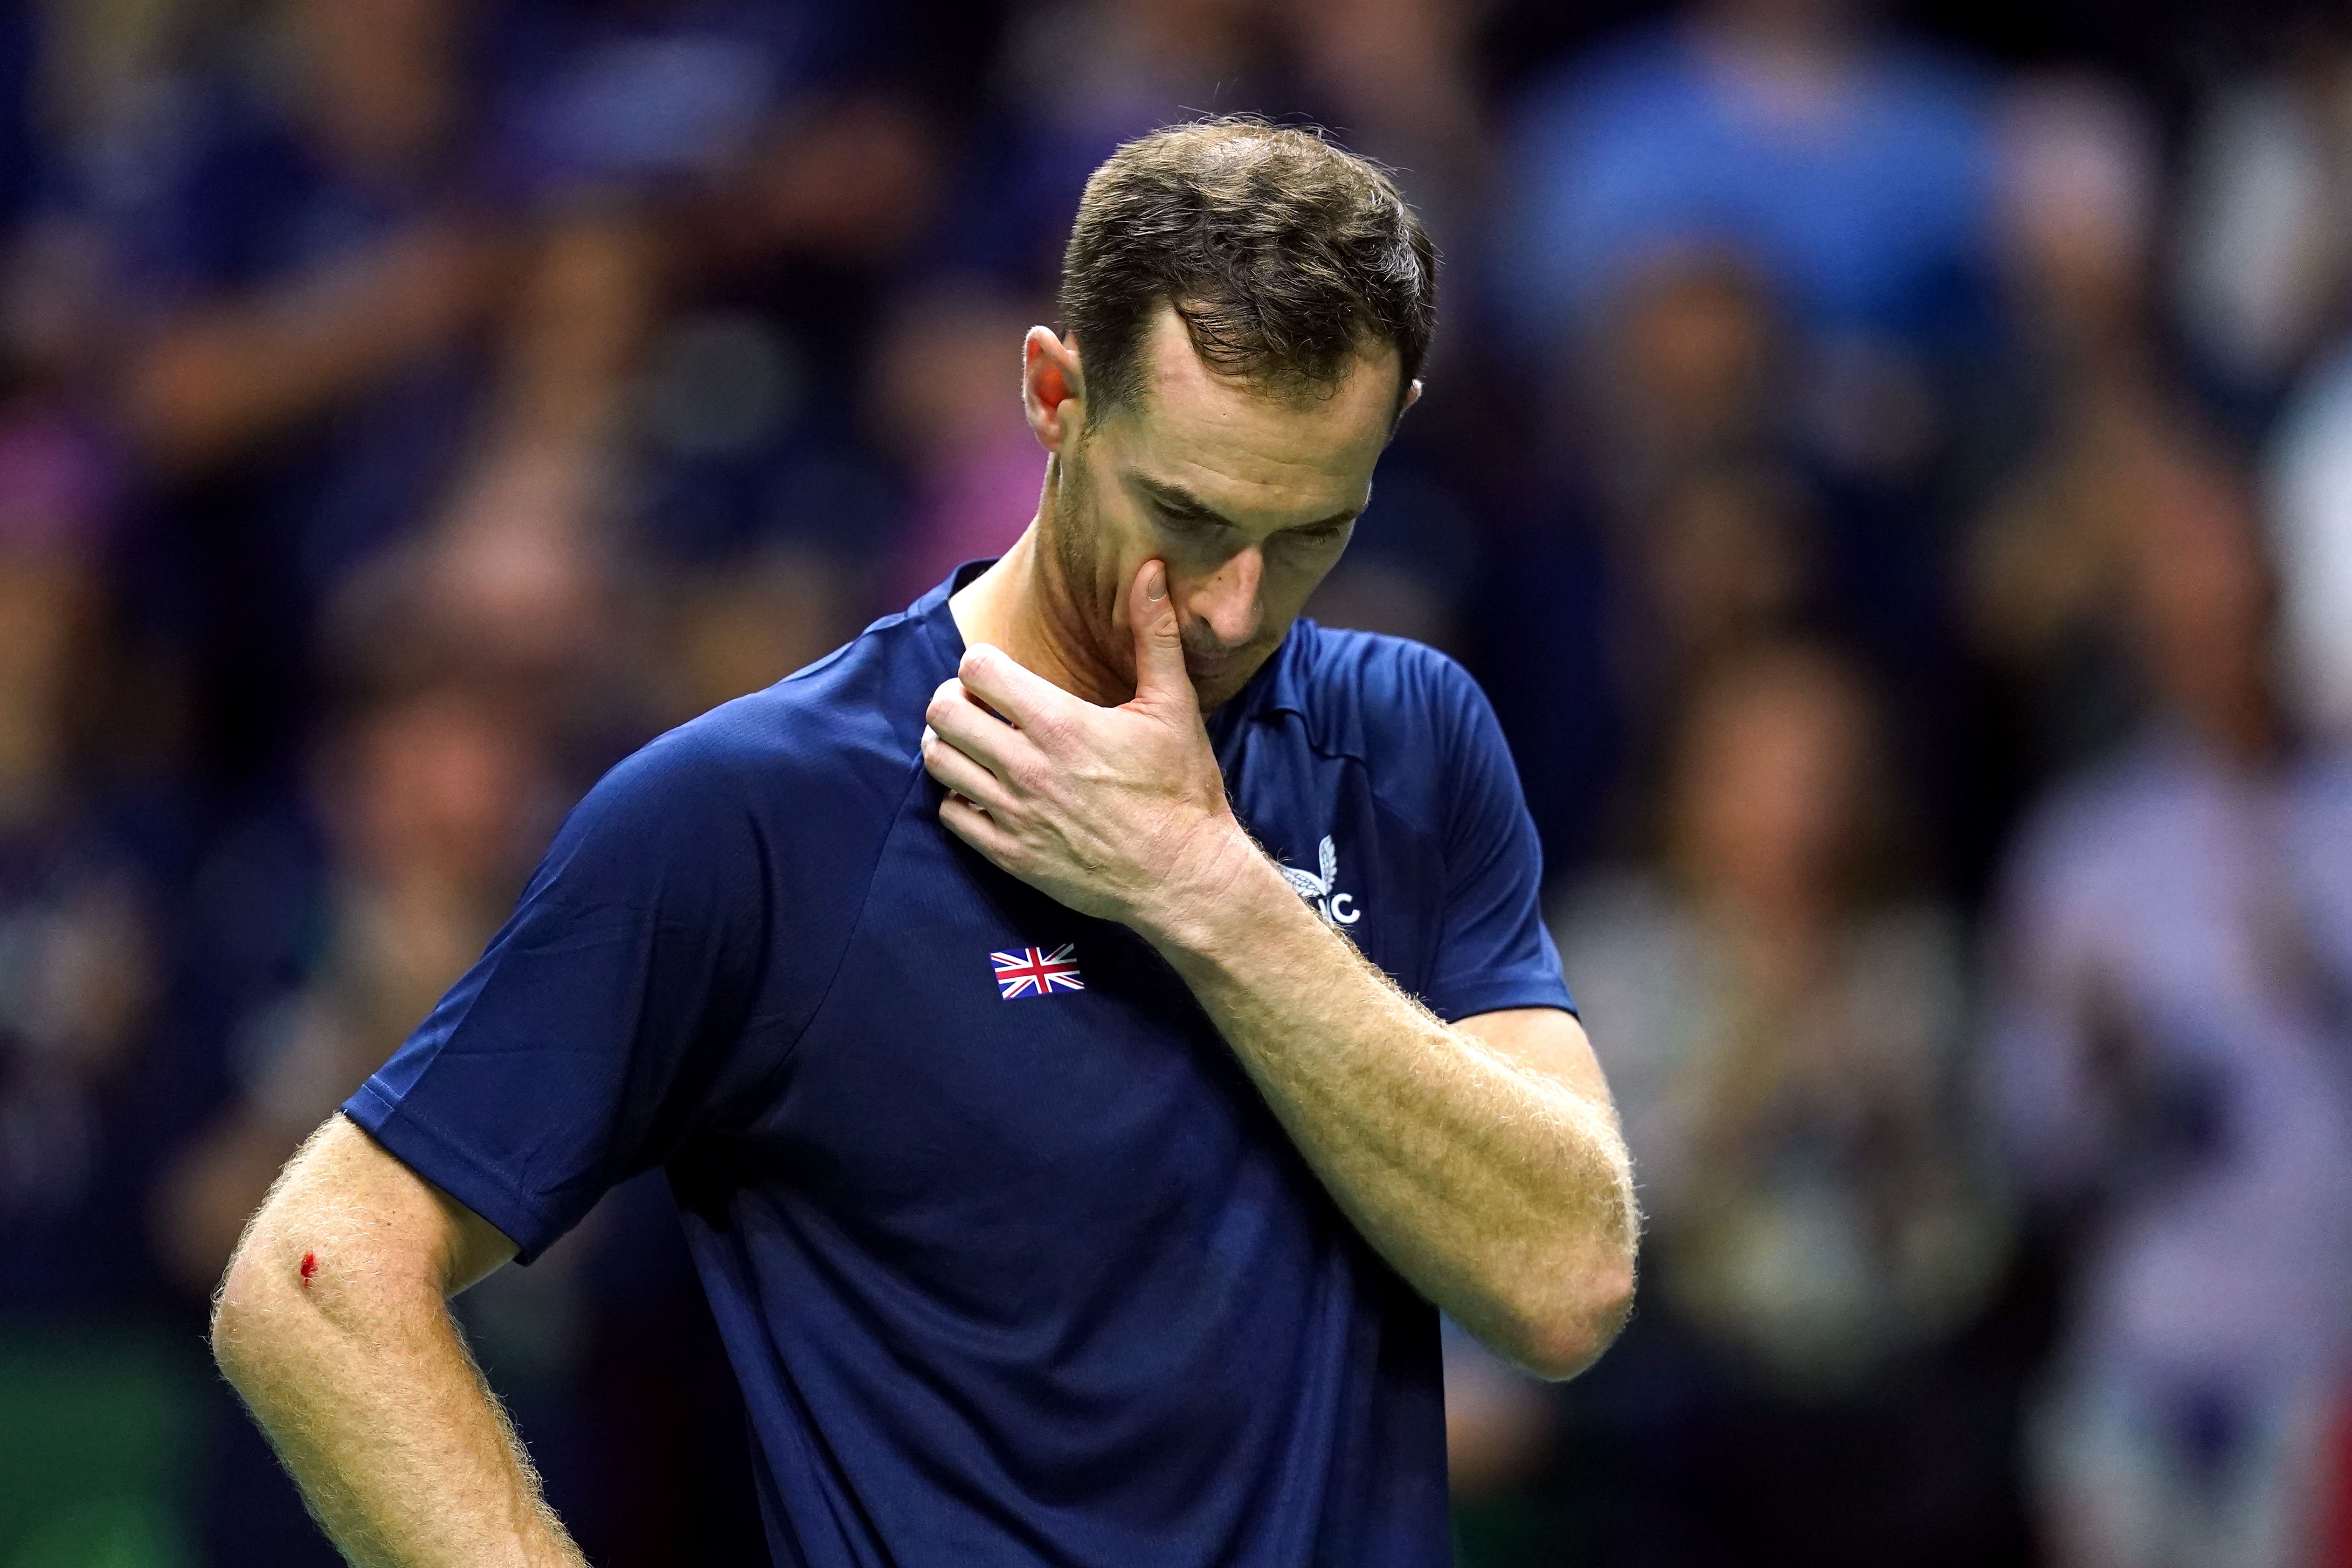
600,1027
1492,949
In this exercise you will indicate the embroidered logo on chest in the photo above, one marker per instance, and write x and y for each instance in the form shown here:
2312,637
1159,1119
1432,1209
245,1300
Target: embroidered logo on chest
1336,907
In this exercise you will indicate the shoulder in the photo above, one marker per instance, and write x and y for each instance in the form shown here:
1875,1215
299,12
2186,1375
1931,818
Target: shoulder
2110,803
818,755
2082,847
1379,698
1413,719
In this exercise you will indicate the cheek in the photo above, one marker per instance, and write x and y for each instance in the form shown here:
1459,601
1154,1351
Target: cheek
1079,544
1103,540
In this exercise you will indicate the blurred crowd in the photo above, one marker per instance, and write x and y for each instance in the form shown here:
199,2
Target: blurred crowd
1893,479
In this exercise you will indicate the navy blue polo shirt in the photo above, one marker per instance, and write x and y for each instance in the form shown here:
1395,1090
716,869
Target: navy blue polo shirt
1014,1263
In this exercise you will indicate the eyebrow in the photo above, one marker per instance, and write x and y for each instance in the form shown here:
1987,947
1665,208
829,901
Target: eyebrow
1183,503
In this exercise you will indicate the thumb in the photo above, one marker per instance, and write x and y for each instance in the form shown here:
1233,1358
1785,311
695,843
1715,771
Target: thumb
1158,641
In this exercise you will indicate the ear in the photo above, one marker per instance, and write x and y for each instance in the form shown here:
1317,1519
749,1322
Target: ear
1412,396
1050,388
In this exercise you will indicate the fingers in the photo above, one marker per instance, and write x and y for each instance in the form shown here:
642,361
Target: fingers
1159,640
976,827
958,719
1021,694
959,773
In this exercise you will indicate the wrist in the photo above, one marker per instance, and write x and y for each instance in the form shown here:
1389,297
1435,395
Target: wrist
1223,886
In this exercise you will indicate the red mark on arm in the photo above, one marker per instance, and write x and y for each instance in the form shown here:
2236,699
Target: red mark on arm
310,1267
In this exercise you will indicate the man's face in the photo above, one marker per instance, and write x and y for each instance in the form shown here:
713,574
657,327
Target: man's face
1249,498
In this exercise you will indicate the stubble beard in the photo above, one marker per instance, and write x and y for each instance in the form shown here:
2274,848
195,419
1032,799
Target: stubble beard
1080,601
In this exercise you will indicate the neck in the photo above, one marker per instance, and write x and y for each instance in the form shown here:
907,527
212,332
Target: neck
1778,903
1025,605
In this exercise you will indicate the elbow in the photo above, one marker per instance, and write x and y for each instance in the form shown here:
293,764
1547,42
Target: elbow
249,1312
238,1321
1565,1329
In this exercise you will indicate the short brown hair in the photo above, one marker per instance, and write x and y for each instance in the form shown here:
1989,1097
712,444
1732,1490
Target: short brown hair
1284,255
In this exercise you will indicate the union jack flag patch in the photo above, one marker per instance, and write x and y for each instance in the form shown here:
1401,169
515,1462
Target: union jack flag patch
1033,972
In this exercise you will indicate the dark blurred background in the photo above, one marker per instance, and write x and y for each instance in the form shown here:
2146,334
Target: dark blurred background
1891,466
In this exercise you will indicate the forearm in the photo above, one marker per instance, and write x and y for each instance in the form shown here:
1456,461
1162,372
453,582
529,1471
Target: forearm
213,387
1501,1192
363,1385
225,377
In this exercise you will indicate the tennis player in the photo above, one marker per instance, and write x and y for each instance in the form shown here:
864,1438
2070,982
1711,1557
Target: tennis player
1090,1023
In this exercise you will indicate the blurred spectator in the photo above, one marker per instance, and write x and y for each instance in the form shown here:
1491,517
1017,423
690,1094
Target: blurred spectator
1576,625
2078,432
433,801
2310,466
315,258
89,1402
702,375
513,574
2265,266
2103,441
1400,78
1725,557
947,395
1851,170
2051,568
2169,1063
1078,77
77,938
1765,225
317,241
1689,370
2075,227
1780,1019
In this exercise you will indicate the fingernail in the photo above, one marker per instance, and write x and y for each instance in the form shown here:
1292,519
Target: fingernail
1155,583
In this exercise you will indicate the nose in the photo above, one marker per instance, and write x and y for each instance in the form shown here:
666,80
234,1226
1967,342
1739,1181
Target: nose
1226,600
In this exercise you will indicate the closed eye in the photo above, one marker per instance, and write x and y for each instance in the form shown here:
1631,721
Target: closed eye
1196,521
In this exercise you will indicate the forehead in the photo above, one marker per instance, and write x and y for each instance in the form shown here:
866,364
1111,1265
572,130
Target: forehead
1194,427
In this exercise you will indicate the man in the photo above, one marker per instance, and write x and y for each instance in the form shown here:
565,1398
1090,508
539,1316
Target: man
1061,1166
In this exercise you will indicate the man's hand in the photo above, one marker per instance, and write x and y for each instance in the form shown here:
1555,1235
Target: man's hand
1118,812
1483,1160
